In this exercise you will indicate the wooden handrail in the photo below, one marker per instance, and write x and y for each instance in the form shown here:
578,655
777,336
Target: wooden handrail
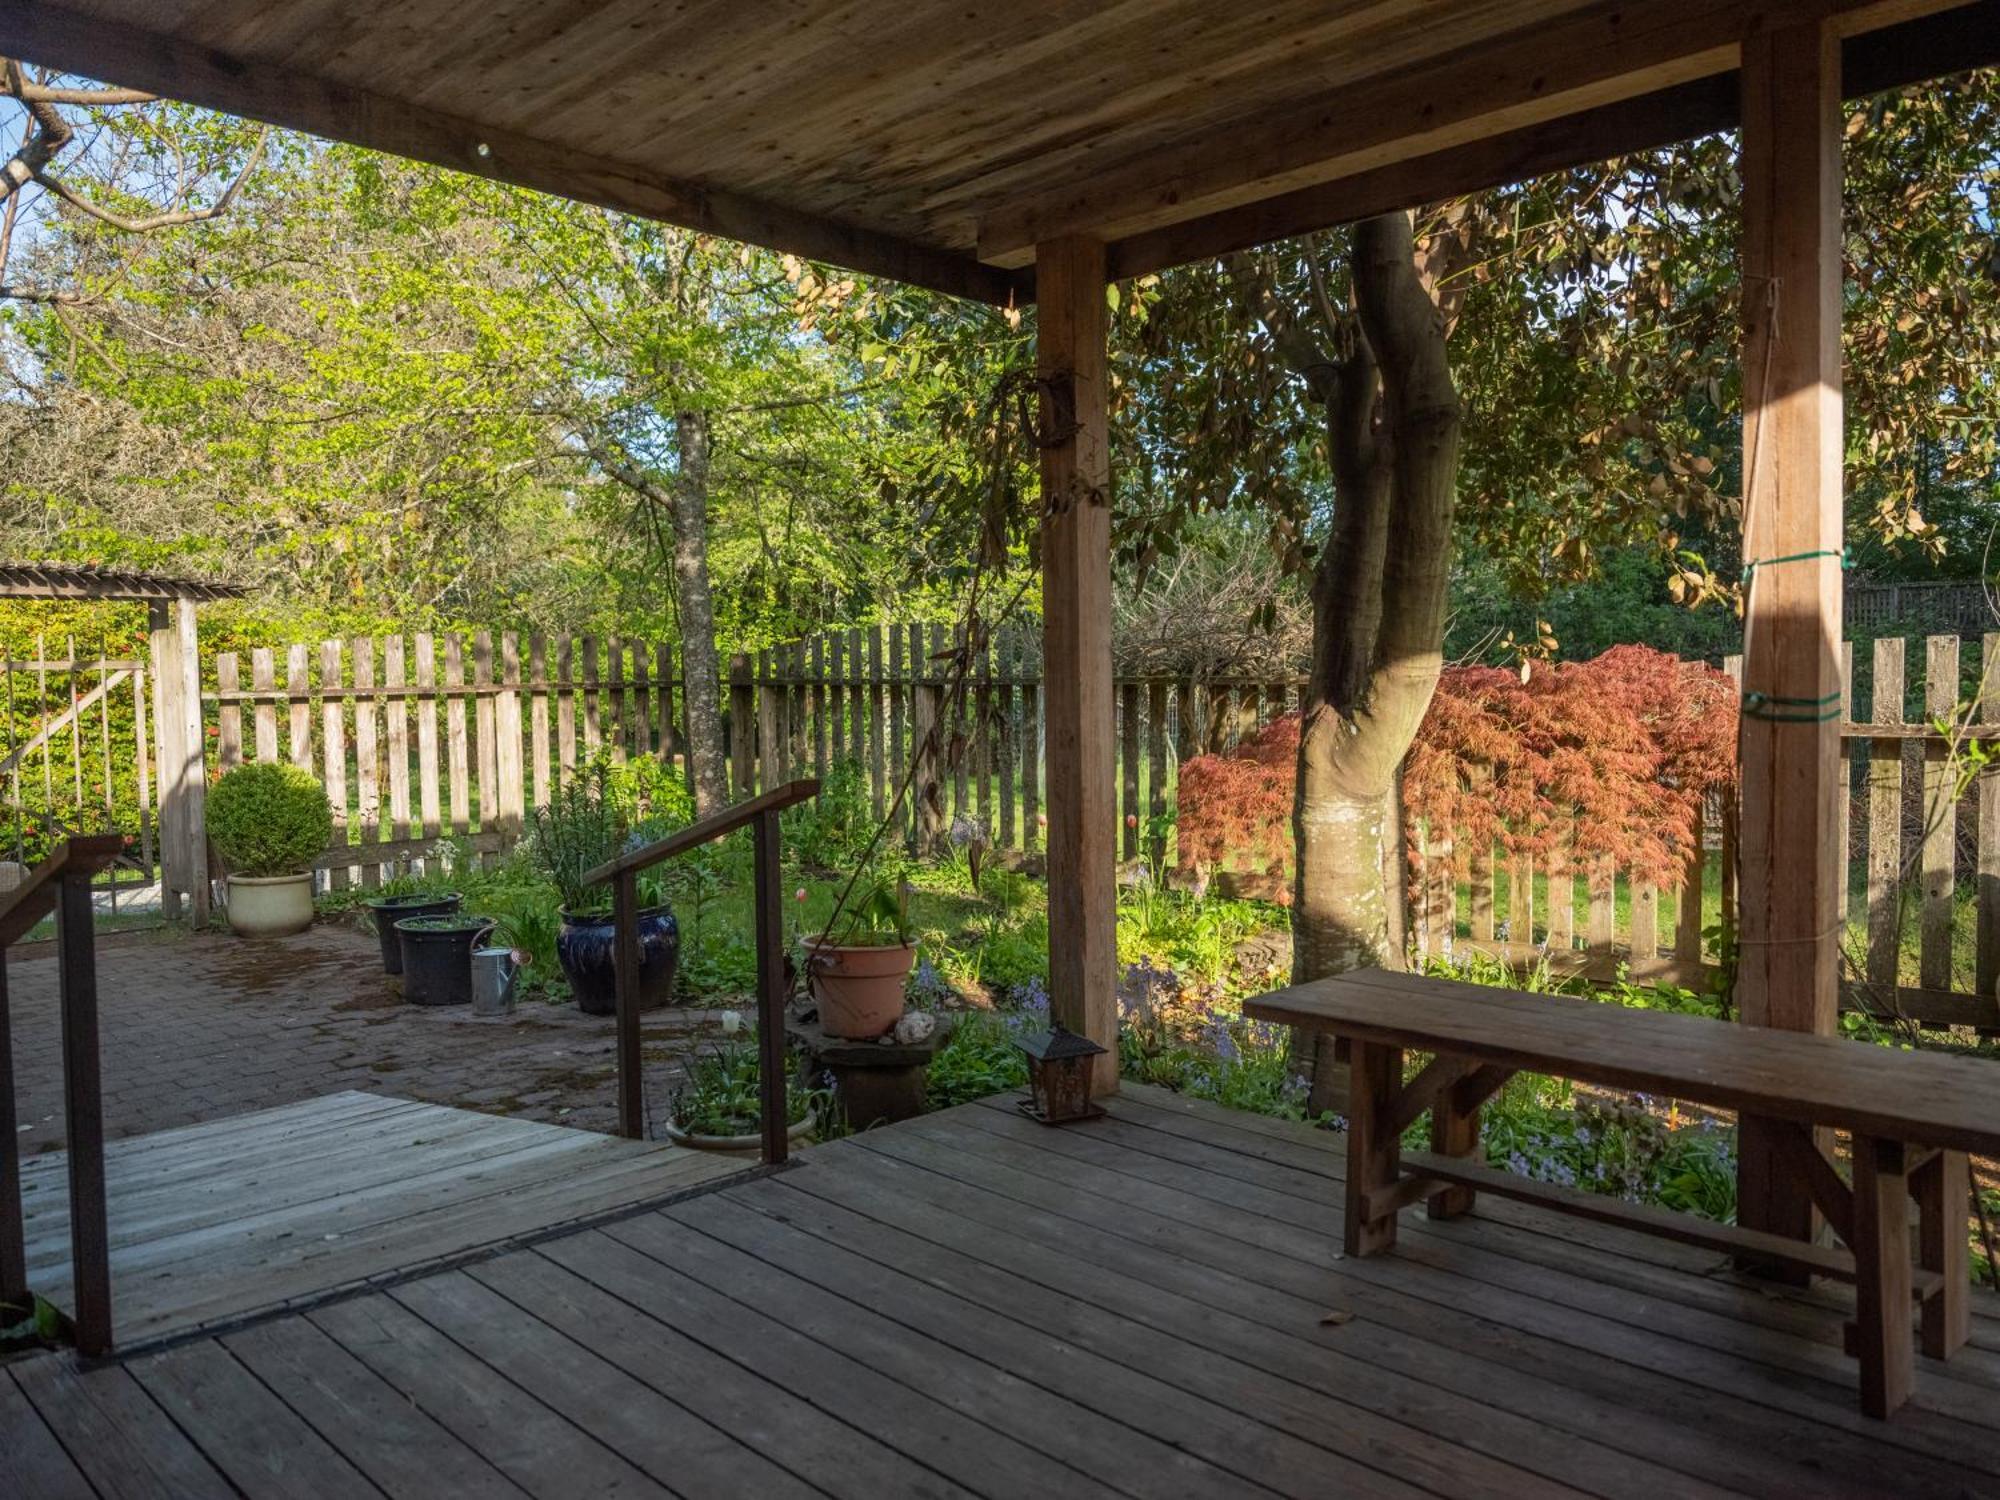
759,813
61,884
35,897
708,829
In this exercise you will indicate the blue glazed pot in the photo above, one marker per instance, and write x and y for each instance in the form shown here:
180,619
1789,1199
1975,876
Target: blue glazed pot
585,947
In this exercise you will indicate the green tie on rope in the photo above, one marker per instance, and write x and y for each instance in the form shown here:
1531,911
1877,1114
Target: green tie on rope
1790,710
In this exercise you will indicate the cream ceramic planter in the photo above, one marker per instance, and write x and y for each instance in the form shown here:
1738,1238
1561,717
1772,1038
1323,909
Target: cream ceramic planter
270,905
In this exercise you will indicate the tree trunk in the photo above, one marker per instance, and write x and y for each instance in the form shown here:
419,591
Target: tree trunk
700,667
1379,601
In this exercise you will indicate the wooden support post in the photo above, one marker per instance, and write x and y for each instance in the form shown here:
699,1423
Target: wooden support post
13,1212
768,874
163,665
1076,646
742,728
625,976
83,1116
1375,1078
1882,1278
1790,875
1943,1188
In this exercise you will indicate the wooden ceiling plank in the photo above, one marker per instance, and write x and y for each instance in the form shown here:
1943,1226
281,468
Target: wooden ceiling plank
1614,51
61,38
1914,52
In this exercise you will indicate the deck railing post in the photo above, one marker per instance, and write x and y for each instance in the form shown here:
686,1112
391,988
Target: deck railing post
83,1110
770,938
13,1234
625,955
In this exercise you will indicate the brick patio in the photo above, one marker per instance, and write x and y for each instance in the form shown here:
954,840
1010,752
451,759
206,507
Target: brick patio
205,1026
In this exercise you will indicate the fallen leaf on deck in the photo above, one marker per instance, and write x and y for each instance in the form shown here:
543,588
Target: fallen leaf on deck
1335,1319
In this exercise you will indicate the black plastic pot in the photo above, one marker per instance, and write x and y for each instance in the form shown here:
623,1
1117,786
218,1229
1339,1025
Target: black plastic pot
586,948
389,910
437,960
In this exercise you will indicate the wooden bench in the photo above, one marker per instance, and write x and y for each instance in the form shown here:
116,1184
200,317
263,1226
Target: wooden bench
1913,1117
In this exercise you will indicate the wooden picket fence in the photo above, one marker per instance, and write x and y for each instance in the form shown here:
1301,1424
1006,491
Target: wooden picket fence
1916,844
455,735
463,734
871,696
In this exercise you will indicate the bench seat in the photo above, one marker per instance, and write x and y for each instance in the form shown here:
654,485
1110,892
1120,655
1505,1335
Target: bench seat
1913,1117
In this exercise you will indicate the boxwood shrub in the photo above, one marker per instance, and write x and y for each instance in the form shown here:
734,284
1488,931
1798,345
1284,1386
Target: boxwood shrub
269,820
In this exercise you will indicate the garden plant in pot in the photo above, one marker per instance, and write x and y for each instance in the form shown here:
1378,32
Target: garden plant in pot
859,966
406,898
718,1108
268,824
437,956
576,833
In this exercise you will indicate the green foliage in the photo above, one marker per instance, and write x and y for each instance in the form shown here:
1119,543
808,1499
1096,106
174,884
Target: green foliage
720,1095
269,819
980,1059
1194,1039
877,913
579,830
832,832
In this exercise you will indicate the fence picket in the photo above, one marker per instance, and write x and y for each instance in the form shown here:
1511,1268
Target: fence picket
507,726
263,682
899,761
1986,941
485,721
1885,819
427,735
229,713
1940,816
298,684
593,735
333,747
457,752
565,711
538,717
663,679
878,762
396,681
371,822
1128,782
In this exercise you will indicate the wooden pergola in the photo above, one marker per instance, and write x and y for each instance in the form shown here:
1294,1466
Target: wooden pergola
1033,150
173,650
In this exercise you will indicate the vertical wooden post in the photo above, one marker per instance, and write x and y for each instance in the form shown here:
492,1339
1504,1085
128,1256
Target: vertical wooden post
768,874
742,728
427,735
83,1115
485,725
1882,1275
1986,972
878,764
1940,843
457,763
625,979
229,715
191,775
333,752
397,706
507,737
163,661
372,816
1076,646
1943,1186
13,1212
1790,878
538,716
1374,1150
298,705
897,758
565,711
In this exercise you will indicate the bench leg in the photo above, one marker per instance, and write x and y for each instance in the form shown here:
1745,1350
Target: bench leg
1882,1279
1454,1132
1374,1151
1943,1186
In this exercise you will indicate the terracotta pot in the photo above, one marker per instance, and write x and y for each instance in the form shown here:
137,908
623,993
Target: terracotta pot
859,990
270,905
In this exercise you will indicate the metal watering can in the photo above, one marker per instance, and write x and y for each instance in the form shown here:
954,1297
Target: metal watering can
493,977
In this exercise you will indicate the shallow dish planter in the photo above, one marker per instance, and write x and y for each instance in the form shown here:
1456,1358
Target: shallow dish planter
750,1145
858,987
389,910
270,905
586,947
437,958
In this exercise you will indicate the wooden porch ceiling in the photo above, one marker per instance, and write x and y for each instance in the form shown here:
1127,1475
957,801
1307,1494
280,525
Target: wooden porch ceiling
938,143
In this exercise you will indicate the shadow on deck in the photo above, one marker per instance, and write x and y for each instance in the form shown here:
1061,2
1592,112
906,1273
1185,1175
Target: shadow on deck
1150,1305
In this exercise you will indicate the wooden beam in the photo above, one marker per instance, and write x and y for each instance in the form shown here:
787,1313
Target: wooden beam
1791,873
68,40
1609,52
1895,57
1076,644
192,767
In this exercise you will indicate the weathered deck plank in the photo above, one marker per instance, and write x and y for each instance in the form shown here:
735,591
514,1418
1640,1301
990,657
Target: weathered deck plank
971,1304
214,1222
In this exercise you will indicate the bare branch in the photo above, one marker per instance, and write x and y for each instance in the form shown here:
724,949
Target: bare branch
168,220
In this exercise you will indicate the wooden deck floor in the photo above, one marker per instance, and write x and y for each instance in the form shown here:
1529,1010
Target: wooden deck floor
211,1223
1152,1305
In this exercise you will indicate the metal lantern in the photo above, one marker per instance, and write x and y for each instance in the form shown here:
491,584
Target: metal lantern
1059,1067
